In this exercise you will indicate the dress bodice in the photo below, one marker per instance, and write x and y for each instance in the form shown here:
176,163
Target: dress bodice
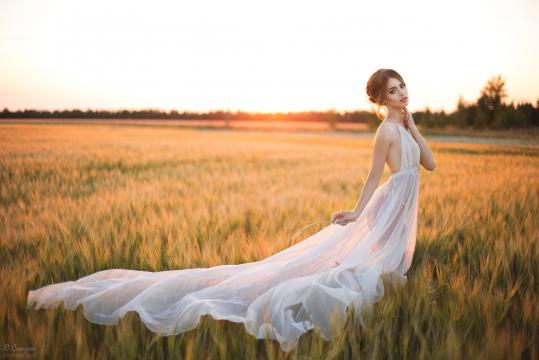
410,152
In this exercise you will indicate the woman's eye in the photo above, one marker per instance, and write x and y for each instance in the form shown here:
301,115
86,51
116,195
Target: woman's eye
403,85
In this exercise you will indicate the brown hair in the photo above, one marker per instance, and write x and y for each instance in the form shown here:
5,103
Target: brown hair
377,84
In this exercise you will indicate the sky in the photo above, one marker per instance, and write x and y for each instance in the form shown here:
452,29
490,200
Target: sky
260,56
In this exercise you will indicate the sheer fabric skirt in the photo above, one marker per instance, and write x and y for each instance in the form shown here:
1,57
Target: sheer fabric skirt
310,284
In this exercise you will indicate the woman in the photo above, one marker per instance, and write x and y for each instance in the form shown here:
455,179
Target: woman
387,87
308,285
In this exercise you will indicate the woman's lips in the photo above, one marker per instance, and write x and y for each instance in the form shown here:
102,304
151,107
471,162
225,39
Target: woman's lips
404,100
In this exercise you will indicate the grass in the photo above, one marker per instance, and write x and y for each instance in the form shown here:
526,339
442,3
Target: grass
76,199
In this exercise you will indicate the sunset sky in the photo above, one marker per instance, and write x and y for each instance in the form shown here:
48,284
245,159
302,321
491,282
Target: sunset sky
260,56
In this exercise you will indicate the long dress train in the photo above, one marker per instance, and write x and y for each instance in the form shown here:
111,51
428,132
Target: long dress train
308,285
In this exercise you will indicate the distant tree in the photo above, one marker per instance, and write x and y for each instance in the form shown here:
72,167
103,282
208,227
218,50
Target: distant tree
503,118
460,116
471,112
530,113
331,118
427,119
481,119
492,98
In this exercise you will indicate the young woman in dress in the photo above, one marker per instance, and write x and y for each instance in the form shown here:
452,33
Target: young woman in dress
386,87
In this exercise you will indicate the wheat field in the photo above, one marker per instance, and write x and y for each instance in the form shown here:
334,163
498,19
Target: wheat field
77,199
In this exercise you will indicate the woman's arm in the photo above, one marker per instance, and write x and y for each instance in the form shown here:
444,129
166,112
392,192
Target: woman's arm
426,158
382,141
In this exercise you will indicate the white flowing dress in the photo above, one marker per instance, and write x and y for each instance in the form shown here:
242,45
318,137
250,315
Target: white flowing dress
308,285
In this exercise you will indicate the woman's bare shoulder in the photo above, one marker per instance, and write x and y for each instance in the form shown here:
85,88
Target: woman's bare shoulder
387,130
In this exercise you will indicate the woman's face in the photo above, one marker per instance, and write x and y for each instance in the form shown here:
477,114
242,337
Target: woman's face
396,94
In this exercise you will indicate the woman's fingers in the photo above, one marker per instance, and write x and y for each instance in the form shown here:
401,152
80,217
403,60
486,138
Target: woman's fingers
342,216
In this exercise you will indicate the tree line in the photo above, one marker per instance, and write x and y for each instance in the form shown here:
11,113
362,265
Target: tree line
489,111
